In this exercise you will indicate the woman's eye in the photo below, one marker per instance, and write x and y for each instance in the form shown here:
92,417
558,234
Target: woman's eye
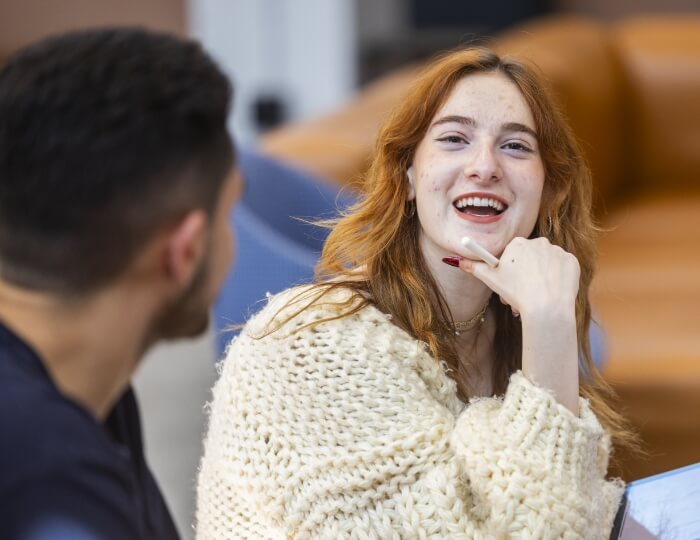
453,139
520,147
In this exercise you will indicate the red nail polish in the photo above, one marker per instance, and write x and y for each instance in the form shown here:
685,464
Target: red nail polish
452,261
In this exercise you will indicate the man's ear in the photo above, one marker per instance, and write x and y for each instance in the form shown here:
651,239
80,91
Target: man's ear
185,246
411,194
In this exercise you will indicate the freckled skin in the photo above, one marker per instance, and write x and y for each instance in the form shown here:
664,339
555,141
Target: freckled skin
483,157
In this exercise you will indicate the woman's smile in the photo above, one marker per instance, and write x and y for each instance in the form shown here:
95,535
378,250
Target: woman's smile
480,207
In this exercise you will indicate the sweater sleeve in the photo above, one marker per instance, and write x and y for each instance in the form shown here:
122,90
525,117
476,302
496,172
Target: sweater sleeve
345,433
538,470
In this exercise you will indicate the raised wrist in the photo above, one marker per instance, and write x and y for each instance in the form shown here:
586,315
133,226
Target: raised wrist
550,353
547,315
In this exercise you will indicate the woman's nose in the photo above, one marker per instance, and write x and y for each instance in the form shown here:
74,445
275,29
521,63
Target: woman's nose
483,165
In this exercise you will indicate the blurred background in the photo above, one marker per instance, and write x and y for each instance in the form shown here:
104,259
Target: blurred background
313,79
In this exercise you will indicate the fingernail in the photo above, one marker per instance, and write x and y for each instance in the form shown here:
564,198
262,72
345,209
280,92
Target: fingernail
452,261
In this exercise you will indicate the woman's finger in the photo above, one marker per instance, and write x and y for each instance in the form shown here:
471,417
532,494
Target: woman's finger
487,275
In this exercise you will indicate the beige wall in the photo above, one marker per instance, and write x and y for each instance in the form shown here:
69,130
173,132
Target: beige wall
23,21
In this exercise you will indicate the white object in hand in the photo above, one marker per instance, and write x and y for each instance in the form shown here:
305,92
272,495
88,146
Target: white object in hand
480,251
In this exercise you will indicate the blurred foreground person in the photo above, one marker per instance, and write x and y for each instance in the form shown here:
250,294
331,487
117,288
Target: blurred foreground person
414,391
116,186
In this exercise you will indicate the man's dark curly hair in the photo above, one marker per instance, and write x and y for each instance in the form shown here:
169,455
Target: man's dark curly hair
105,136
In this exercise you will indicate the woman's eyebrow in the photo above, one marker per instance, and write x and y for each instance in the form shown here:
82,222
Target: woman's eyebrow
454,118
517,126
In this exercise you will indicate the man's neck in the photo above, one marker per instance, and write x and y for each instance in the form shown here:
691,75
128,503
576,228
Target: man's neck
90,346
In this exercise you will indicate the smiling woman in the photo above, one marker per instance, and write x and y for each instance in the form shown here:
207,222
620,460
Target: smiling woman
352,407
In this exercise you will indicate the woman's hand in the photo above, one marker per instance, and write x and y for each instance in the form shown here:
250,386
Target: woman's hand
540,281
533,277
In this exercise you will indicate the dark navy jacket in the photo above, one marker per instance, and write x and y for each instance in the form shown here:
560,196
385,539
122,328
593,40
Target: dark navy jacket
63,474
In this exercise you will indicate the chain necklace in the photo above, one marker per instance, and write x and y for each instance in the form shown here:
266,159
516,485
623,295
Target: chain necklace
476,320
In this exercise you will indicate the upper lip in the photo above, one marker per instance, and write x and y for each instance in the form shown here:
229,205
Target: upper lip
482,195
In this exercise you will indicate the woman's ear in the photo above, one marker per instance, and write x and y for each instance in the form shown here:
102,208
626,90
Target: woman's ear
411,194
185,246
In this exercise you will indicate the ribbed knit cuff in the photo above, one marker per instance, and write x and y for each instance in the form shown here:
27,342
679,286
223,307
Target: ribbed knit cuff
536,424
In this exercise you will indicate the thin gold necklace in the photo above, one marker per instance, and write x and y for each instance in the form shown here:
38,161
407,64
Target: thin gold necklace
476,320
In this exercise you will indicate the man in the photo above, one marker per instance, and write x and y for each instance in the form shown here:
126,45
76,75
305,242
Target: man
115,194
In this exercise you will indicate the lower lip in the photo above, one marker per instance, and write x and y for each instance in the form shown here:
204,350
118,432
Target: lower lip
479,219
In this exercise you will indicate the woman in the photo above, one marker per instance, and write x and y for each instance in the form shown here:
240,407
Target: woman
414,391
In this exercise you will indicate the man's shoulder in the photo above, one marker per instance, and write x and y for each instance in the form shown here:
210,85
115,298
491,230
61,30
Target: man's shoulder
59,462
64,491
32,406
44,432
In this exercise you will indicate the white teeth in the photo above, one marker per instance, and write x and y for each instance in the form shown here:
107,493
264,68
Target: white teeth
477,201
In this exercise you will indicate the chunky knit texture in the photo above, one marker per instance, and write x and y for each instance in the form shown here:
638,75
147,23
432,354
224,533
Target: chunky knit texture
350,429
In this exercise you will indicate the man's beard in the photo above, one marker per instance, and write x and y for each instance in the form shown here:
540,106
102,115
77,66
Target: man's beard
187,315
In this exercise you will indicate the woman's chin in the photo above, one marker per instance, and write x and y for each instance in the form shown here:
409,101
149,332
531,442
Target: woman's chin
492,244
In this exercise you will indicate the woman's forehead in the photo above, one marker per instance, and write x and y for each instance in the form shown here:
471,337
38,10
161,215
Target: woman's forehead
485,98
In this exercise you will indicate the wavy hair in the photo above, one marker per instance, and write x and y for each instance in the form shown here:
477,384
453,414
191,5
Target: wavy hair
380,237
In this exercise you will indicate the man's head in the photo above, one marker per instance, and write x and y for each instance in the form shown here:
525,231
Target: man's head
109,138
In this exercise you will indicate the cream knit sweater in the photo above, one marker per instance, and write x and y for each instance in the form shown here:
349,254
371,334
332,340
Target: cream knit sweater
352,430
